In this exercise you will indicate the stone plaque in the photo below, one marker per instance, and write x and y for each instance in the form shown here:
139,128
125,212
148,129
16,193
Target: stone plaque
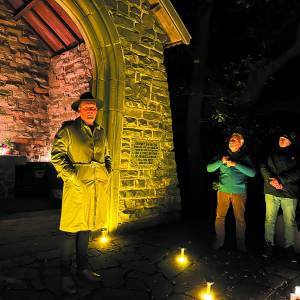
144,154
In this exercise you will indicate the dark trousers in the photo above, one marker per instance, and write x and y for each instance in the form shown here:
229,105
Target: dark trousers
74,242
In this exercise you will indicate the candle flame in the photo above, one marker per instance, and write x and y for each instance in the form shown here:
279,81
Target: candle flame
208,295
182,258
104,239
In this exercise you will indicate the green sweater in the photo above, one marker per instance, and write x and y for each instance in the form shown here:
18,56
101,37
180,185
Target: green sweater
233,180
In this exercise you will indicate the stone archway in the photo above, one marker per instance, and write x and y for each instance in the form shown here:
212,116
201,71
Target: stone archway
103,43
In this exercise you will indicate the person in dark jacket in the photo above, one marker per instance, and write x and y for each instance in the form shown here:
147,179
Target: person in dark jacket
235,166
281,175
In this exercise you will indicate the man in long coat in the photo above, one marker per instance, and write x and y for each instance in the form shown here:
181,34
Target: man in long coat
81,158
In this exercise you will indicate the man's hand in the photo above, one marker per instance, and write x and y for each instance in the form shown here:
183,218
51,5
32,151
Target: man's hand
227,162
224,159
108,164
275,183
231,163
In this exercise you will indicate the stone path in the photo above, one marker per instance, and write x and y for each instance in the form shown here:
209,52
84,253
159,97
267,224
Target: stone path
139,265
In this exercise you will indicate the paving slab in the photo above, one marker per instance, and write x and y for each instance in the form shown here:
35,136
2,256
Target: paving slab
137,265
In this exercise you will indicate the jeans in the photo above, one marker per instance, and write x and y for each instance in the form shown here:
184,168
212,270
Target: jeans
74,242
288,206
238,203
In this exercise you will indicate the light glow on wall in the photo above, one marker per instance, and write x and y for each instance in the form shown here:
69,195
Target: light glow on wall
296,295
5,151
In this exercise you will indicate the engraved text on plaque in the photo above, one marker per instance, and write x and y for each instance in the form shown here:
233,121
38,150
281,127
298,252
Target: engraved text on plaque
144,153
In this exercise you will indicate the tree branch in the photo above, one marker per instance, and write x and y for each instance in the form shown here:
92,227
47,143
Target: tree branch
264,70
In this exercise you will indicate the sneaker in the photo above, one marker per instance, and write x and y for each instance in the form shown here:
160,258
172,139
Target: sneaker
68,285
290,253
268,250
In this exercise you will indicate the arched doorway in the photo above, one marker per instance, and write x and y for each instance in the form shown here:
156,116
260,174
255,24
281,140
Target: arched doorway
105,51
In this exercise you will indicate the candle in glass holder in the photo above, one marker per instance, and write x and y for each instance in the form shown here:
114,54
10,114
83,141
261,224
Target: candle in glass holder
208,295
182,257
103,238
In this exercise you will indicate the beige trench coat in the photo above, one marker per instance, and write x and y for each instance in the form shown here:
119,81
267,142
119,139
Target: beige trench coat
78,156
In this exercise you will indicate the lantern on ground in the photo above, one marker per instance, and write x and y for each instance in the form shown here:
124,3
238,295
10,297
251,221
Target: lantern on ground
104,236
208,294
181,258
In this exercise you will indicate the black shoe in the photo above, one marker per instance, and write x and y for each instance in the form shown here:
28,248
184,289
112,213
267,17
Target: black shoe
90,275
268,250
290,253
68,285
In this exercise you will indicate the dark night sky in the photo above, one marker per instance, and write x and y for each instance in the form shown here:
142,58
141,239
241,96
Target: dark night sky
230,40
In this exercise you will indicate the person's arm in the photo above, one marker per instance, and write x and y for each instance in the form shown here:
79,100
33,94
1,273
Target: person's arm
59,157
107,157
269,177
246,167
265,172
292,175
214,164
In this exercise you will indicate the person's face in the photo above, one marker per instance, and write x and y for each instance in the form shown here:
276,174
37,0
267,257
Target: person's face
88,112
235,144
284,142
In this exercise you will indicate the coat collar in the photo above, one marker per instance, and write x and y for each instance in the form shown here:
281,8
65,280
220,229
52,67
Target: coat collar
239,153
82,124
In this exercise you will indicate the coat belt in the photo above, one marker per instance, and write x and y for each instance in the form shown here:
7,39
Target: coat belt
92,164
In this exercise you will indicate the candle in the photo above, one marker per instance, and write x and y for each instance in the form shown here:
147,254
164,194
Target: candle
208,295
104,239
182,258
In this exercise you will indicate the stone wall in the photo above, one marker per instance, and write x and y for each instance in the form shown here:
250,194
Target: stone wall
148,189
24,64
32,107
36,91
70,74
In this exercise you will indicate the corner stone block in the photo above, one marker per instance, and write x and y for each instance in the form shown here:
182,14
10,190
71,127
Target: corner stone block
147,20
